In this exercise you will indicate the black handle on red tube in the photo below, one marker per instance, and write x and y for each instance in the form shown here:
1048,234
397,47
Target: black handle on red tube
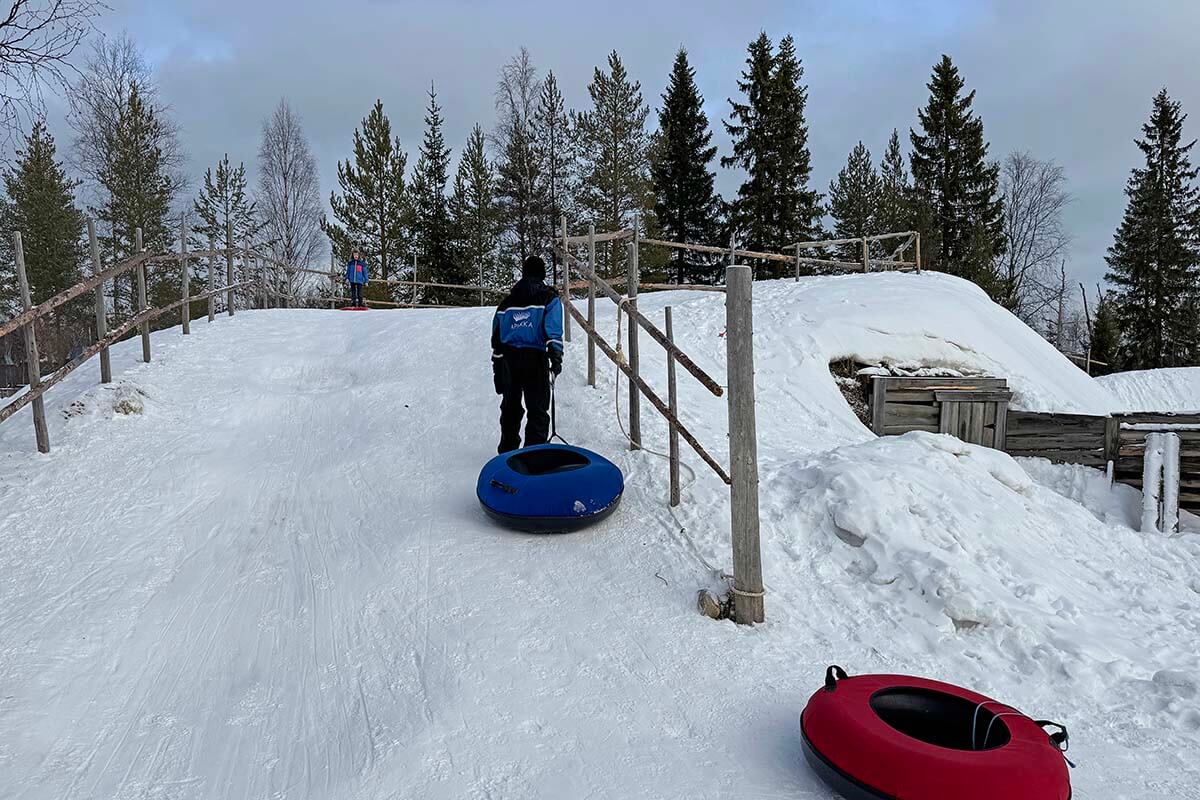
833,675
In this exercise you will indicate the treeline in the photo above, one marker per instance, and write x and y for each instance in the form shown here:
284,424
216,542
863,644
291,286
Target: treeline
468,213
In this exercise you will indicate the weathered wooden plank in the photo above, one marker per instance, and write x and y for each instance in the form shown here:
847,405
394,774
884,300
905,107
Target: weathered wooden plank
898,413
1000,435
948,419
970,395
905,395
975,424
897,430
930,384
878,406
1165,417
1086,441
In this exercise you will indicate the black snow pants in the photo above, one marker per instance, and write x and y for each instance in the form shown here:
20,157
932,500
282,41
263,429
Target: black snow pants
527,377
356,294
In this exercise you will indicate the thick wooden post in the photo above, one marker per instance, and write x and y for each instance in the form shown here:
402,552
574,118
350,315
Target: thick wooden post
261,264
566,283
866,253
591,307
32,358
185,315
212,279
917,257
142,305
635,399
673,404
229,267
101,311
748,606
797,262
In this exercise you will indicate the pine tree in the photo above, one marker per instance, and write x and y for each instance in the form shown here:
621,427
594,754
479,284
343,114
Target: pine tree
41,205
1154,261
686,206
139,193
551,132
432,213
374,207
612,148
476,215
754,141
854,201
956,191
892,209
797,210
223,202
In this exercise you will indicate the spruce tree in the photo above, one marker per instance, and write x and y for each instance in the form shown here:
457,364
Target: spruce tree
223,202
892,209
686,206
41,205
551,138
432,214
797,210
958,207
1154,261
854,201
373,210
612,147
476,216
1106,336
139,192
754,143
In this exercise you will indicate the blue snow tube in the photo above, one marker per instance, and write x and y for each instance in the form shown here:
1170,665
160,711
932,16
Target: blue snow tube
549,488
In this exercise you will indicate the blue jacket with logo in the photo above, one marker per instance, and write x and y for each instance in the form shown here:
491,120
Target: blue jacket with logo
529,318
356,271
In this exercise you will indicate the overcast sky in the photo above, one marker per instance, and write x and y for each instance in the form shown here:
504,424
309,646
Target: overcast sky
1069,81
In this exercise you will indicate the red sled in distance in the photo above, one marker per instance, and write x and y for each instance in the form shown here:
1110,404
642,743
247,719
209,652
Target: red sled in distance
353,308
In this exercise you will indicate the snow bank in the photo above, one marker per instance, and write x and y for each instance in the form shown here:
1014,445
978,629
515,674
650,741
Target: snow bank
1176,389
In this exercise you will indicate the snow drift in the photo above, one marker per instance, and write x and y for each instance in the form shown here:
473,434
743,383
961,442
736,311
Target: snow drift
268,576
1176,389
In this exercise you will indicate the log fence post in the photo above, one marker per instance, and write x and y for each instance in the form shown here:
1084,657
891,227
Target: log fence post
866,255
591,306
211,278
101,311
566,282
635,399
673,404
229,268
917,256
32,358
142,305
748,606
185,314
797,263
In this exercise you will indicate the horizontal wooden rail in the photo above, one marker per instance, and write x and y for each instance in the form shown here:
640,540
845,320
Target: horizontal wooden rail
112,338
683,287
708,248
878,237
681,357
649,394
624,233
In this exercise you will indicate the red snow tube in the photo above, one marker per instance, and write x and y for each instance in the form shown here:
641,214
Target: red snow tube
893,737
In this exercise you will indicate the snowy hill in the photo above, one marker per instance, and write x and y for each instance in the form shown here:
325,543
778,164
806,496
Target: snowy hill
256,567
1175,389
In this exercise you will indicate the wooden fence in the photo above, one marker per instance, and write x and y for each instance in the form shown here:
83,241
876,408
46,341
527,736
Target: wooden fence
1115,441
742,476
144,314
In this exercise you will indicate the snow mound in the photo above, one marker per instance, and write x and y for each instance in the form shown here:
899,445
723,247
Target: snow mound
1176,389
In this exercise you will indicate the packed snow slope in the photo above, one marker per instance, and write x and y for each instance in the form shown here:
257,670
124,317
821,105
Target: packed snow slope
256,568
1173,389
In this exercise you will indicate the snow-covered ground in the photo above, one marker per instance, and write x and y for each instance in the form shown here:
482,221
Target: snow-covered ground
267,576
1176,389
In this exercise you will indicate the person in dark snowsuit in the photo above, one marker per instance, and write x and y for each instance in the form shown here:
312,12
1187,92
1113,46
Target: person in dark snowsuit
356,276
526,347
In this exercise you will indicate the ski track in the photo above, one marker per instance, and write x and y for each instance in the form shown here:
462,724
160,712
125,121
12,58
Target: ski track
275,582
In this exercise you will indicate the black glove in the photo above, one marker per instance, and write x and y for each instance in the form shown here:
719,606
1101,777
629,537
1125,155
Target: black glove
499,374
555,361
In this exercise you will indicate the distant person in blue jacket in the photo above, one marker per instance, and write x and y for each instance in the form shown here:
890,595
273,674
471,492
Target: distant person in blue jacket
526,347
356,276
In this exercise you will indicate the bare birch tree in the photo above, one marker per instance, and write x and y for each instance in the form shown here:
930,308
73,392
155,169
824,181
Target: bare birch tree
289,197
1034,200
519,185
37,37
